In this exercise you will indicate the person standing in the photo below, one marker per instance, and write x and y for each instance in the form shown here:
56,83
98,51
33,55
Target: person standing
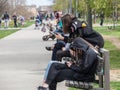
101,19
6,20
22,20
0,22
15,20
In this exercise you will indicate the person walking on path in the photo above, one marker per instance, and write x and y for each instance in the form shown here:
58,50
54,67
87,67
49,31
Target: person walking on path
15,19
101,19
0,22
6,20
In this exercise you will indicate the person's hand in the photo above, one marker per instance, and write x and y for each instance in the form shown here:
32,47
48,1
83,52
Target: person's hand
63,48
69,64
72,52
59,36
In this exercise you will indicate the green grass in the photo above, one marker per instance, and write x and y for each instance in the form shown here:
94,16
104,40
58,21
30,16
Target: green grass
113,86
108,45
114,55
104,30
115,59
27,23
4,33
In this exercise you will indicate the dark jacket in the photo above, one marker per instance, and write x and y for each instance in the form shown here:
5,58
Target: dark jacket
6,16
86,69
86,33
14,17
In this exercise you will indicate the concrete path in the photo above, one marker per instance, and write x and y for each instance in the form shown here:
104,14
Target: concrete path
23,60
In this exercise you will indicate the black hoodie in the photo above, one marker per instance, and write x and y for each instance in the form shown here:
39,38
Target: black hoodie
86,33
86,69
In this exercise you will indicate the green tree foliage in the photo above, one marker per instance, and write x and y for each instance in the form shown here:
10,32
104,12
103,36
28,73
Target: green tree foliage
60,5
98,5
3,4
87,8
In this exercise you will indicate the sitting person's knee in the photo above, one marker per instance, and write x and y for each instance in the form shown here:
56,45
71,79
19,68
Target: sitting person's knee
60,44
60,54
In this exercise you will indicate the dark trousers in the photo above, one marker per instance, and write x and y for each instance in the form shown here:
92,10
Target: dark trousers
15,23
60,54
101,22
57,73
58,46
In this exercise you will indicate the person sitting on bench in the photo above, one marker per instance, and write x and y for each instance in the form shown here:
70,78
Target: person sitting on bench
82,66
72,28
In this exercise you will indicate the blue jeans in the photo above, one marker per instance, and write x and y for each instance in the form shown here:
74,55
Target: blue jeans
48,67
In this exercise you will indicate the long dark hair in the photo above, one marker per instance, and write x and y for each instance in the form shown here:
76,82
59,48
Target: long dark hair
66,20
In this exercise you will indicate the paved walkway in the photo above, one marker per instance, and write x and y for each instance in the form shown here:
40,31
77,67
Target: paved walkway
23,60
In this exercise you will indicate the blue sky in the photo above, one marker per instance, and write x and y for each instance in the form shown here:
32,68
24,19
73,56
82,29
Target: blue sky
39,2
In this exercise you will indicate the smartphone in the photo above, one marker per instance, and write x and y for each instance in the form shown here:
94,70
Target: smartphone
56,33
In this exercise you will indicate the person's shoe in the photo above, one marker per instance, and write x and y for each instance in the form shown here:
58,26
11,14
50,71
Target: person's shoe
49,48
42,88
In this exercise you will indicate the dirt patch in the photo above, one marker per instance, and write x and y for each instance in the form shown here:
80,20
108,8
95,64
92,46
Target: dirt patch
114,40
114,75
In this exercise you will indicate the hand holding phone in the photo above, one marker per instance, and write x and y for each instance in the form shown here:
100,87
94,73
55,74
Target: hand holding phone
59,36
56,33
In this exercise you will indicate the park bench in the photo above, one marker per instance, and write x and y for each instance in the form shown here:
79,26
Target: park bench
102,75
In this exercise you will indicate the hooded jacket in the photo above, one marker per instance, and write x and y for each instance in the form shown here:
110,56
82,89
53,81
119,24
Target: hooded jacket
86,69
86,33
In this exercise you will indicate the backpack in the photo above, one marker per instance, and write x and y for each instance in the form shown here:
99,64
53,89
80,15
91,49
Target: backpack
81,29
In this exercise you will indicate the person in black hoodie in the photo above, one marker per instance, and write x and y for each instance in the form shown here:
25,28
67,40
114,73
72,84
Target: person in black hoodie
15,19
81,68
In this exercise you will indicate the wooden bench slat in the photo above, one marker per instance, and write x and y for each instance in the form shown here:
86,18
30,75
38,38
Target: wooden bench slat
76,84
79,84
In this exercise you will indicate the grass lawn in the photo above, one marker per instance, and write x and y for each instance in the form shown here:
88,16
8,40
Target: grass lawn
104,30
27,23
114,55
4,33
115,85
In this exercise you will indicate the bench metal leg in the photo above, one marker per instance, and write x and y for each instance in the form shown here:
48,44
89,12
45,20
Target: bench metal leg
101,81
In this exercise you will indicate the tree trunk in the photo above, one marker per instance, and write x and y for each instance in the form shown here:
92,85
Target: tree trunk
89,15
